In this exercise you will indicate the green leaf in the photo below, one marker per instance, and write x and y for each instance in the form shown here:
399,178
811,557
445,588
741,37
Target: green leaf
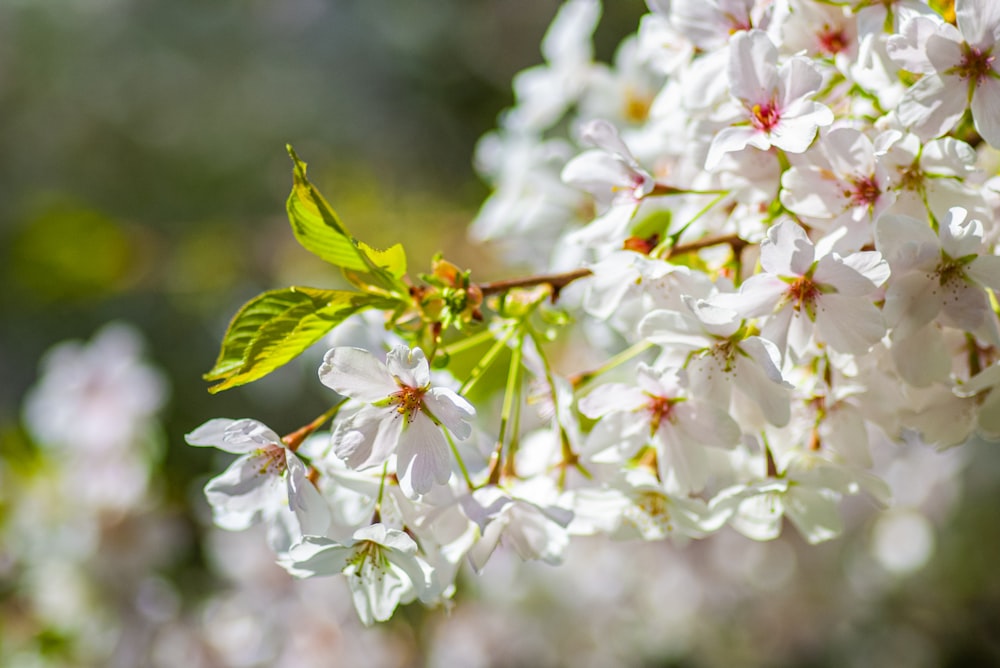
392,259
275,327
317,226
320,231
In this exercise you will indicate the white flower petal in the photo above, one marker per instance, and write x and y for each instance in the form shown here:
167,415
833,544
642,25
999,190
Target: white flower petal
911,301
316,556
787,251
311,510
671,328
795,133
610,398
753,72
356,373
367,438
250,485
422,455
921,358
732,138
236,436
759,295
986,109
979,22
408,367
906,243
848,324
760,380
932,106
813,513
452,410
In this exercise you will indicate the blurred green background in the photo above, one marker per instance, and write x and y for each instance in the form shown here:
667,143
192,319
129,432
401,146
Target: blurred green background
143,176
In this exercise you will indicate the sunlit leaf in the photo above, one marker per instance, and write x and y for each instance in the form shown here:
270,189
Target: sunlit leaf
275,327
392,259
320,231
316,225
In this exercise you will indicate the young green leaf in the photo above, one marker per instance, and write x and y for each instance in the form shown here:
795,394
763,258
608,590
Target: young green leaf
320,231
317,226
276,326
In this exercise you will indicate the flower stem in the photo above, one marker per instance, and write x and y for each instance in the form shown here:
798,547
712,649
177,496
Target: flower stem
666,246
458,458
736,242
487,361
465,344
511,391
584,377
293,440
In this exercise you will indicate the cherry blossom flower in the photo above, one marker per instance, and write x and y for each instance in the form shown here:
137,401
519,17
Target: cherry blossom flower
534,530
381,564
610,172
935,275
806,491
821,30
841,177
720,358
638,506
828,297
930,177
267,481
709,24
403,414
775,108
660,411
960,71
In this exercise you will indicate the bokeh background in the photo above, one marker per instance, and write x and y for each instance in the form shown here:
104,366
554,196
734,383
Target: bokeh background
143,175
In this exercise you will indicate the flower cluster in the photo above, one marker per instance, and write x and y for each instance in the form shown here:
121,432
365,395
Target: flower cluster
766,237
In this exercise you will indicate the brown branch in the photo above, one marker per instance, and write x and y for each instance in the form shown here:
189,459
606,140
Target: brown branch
734,241
557,281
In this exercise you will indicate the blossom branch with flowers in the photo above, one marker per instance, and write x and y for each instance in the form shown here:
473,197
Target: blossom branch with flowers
784,260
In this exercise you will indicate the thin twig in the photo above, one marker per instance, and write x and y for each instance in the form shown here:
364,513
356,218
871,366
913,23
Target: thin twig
557,281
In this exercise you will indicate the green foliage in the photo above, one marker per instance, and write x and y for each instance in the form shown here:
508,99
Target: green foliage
275,327
318,228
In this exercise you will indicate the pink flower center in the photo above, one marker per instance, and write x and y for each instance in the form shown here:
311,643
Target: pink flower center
272,460
764,117
976,65
865,193
832,41
408,401
737,23
660,409
803,291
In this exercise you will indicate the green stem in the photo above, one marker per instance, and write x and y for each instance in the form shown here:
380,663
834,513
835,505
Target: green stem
665,246
510,393
568,456
581,379
458,458
467,343
381,487
487,361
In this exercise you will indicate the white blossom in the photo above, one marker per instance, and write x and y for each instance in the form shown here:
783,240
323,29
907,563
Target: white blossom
403,414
